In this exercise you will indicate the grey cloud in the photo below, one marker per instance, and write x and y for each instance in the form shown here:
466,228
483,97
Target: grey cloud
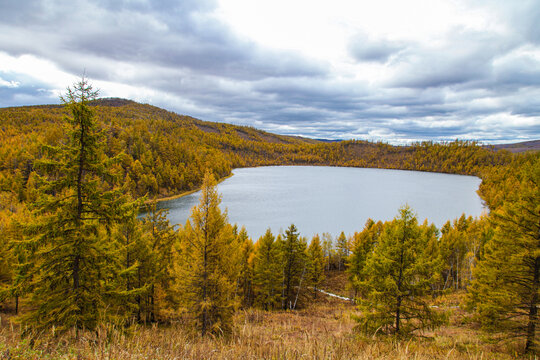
176,36
407,97
523,17
523,103
519,18
466,57
418,131
521,70
362,48
198,66
440,71
319,93
179,36
19,12
162,6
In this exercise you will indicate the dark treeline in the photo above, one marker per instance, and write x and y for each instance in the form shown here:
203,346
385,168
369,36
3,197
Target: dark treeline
75,255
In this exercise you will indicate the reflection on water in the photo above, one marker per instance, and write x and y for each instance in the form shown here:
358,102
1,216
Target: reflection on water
334,199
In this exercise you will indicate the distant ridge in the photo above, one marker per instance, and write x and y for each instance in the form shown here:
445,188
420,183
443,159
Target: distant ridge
328,140
112,101
533,145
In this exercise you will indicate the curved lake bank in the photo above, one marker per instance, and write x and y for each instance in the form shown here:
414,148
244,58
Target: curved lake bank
321,199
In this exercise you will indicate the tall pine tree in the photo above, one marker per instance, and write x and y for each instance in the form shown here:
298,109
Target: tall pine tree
155,266
267,274
73,281
315,274
400,275
362,246
294,263
207,271
244,287
342,250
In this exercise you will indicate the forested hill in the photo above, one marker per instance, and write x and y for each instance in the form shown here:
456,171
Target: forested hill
163,153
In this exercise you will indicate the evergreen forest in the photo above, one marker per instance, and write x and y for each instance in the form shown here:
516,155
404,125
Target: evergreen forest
84,275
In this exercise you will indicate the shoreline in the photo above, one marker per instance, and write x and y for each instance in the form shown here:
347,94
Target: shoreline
185,193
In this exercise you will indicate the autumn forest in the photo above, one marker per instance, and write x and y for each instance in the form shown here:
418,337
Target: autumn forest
84,275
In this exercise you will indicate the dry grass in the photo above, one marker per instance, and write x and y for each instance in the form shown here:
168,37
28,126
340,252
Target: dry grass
324,331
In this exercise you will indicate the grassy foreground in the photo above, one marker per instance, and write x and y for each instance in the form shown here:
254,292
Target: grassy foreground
325,330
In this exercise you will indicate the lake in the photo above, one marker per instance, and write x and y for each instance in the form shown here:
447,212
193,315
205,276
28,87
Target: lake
321,199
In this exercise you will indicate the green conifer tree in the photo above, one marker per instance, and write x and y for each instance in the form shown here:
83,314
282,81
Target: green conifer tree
74,279
316,264
342,247
267,272
7,257
207,272
18,257
294,262
399,276
245,261
432,253
328,250
155,266
129,235
362,246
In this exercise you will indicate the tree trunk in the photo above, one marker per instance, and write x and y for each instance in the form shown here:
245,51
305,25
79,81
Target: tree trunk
288,276
204,314
139,296
457,272
283,300
152,310
530,345
299,287
80,176
398,313
128,261
400,280
75,269
448,275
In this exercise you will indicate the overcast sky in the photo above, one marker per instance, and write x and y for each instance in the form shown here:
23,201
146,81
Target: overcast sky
390,70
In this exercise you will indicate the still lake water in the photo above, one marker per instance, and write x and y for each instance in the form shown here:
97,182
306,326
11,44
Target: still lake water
321,199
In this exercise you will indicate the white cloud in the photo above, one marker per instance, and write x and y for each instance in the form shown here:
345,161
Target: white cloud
9,84
36,68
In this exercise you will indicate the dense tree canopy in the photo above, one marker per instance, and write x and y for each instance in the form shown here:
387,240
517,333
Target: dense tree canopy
506,288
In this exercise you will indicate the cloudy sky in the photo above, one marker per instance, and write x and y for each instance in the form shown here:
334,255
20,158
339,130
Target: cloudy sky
389,70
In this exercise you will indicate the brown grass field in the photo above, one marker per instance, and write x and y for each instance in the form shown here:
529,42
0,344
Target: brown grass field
324,330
